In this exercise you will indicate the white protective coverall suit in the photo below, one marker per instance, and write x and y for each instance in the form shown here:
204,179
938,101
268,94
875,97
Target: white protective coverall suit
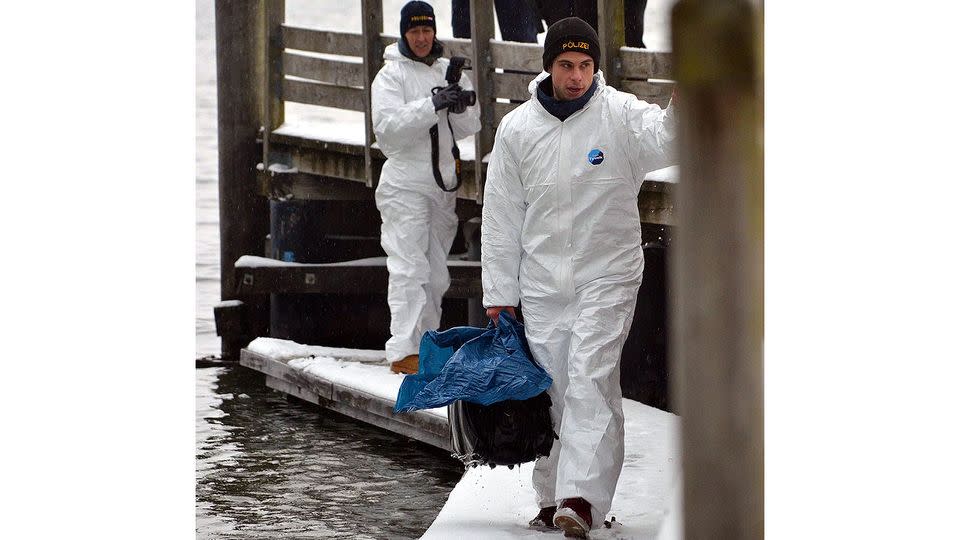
561,235
419,219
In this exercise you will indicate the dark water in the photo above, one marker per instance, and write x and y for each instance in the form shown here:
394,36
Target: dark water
273,467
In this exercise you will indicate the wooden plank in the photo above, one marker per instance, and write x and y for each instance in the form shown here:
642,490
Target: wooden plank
327,95
646,64
374,410
451,46
501,109
393,424
372,26
718,274
359,280
336,72
652,92
272,77
321,163
321,41
611,33
276,11
457,47
656,206
346,162
383,408
516,56
336,278
304,186
512,86
293,390
281,371
300,141
482,32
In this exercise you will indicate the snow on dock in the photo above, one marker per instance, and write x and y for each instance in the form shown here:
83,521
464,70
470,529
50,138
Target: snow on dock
486,503
497,503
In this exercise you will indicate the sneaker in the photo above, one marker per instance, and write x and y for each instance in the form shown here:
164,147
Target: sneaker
573,516
544,520
409,365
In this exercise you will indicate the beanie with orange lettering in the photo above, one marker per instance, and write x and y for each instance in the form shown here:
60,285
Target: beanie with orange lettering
416,14
570,34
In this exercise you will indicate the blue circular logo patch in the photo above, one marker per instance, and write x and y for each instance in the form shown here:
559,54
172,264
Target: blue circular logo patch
595,156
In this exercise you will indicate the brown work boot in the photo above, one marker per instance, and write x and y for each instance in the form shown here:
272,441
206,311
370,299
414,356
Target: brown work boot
573,516
544,520
409,365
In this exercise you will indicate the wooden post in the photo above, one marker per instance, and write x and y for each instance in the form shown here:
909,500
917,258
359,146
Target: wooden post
272,76
717,348
244,214
481,32
611,33
372,27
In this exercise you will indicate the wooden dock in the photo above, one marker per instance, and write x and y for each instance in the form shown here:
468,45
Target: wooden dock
356,383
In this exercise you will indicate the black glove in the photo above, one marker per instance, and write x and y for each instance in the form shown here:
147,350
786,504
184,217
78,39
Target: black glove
461,105
446,97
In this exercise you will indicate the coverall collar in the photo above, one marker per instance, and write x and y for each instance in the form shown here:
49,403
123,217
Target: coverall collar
591,94
562,109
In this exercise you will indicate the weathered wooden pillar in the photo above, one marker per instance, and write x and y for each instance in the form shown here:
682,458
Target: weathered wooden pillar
611,34
481,32
372,27
244,214
717,348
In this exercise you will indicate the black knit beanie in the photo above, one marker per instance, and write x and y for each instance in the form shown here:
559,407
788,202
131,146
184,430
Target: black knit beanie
416,14
570,34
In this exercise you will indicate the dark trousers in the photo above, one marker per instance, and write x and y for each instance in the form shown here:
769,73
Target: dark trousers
554,10
518,20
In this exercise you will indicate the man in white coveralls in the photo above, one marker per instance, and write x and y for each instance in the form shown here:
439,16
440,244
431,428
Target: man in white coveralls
409,96
561,236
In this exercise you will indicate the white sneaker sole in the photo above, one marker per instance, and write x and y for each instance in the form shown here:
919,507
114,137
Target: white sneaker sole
573,526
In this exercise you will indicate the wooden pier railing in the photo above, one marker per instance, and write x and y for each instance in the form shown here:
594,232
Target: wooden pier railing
272,63
301,70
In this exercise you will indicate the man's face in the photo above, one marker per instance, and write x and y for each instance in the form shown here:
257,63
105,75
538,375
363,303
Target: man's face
572,75
420,40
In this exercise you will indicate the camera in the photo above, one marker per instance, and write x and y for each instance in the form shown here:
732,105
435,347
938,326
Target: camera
454,72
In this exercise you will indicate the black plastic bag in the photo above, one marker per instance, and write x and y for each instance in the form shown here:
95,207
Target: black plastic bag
505,433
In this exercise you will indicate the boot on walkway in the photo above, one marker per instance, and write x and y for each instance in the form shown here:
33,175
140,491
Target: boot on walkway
409,365
544,520
573,516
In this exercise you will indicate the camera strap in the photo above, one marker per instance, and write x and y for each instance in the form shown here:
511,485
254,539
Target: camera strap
435,155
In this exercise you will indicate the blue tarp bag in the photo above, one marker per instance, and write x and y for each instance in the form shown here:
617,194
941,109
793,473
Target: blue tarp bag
482,366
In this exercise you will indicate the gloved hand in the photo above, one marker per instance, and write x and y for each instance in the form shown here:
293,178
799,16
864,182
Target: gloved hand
494,313
446,97
460,106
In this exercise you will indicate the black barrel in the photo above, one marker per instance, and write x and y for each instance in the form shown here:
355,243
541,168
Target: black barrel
644,372
322,232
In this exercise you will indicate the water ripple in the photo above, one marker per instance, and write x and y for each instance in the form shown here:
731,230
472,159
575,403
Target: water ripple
269,468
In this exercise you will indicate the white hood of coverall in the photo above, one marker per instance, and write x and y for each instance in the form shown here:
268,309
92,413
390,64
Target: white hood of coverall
561,235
